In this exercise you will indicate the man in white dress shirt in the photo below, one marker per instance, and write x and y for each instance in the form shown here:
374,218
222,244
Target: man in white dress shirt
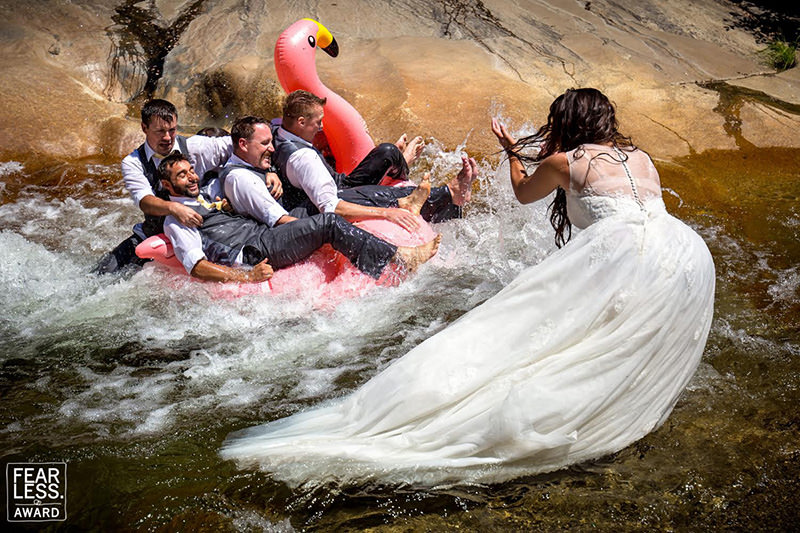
243,180
159,124
311,185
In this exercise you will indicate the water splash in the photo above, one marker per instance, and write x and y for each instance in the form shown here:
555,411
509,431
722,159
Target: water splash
148,351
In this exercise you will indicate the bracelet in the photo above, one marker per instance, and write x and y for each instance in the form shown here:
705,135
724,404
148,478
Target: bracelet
510,153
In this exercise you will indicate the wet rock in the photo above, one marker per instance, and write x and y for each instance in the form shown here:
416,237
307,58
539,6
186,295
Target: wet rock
74,76
142,37
783,86
54,62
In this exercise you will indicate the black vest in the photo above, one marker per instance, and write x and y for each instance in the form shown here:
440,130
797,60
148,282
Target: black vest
284,148
153,225
225,235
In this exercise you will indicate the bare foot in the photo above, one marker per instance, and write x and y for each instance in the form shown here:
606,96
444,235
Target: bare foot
402,142
461,186
414,201
413,150
410,258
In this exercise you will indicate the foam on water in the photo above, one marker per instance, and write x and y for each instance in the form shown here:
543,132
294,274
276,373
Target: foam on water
785,289
10,167
252,521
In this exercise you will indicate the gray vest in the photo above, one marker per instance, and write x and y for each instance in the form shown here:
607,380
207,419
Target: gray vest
225,235
227,169
215,186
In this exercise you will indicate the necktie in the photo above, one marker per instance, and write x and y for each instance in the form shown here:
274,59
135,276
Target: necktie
209,205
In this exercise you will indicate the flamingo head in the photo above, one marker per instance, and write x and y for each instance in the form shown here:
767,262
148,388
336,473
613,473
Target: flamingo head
318,36
295,51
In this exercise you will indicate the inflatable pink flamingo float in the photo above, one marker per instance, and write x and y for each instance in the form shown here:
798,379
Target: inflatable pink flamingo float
347,135
295,54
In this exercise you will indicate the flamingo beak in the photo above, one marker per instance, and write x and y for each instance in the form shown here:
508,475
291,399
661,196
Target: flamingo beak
332,49
326,41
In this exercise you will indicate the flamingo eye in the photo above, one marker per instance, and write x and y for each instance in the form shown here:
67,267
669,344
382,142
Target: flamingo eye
312,41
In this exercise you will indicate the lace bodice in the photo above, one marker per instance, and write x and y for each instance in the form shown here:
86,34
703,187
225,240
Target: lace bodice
605,181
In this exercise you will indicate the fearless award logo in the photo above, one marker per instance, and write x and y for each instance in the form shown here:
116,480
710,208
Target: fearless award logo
37,492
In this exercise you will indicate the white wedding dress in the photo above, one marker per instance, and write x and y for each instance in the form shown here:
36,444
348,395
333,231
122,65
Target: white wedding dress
578,357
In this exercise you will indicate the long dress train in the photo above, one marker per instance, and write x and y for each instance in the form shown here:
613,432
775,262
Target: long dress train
581,355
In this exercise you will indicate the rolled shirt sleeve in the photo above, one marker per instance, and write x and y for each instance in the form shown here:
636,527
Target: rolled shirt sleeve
305,170
134,179
186,243
249,195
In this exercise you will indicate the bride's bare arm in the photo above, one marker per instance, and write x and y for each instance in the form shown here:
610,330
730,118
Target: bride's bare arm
551,173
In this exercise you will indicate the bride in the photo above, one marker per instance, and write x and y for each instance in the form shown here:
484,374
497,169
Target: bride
578,357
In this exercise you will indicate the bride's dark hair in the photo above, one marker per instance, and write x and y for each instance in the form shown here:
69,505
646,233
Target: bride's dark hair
579,116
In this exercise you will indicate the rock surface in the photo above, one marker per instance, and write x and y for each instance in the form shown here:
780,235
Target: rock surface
74,75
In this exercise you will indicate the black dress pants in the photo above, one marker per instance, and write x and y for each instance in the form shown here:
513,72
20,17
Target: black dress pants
385,159
438,207
121,256
294,241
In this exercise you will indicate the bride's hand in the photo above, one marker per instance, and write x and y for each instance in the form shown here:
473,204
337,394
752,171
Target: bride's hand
503,137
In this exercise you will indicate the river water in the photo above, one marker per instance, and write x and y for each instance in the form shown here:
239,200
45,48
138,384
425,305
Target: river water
135,380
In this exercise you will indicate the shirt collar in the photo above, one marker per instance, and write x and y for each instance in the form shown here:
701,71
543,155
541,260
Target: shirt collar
150,153
185,200
236,160
289,136
199,201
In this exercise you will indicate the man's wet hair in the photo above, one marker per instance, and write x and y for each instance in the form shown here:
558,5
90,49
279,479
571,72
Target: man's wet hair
167,163
244,127
301,104
213,131
158,108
